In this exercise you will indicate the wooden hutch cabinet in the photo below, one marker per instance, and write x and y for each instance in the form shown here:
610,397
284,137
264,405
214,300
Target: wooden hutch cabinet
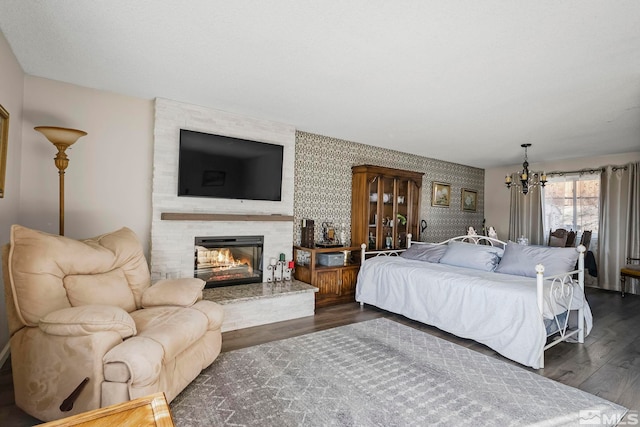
336,283
385,206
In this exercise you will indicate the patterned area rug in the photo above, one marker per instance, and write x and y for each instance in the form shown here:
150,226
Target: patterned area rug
378,373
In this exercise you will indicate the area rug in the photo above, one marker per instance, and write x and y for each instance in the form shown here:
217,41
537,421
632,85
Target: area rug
379,373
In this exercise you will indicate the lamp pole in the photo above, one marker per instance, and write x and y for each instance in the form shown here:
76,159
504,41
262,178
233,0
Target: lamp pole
62,138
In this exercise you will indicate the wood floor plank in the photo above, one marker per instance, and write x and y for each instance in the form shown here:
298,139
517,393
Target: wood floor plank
608,364
616,384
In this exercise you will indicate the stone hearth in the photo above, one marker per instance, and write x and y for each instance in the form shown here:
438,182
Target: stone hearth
261,303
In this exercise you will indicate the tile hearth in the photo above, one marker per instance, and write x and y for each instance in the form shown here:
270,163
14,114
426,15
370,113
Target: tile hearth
262,303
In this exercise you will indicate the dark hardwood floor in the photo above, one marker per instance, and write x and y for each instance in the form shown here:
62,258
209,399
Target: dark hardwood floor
607,364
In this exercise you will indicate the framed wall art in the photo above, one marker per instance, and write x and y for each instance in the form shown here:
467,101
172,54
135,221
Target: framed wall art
469,200
441,194
4,142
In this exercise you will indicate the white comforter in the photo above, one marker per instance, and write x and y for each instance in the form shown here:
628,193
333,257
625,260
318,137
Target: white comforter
498,310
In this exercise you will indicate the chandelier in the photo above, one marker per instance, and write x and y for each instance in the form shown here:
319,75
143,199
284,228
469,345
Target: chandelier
525,179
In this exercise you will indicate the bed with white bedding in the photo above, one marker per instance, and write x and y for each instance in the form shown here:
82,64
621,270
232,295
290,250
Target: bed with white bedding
467,293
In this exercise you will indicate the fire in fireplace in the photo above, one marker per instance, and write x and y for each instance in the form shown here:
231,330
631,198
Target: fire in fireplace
227,261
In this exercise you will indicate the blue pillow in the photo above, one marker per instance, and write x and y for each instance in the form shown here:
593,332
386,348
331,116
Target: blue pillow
470,255
521,260
429,252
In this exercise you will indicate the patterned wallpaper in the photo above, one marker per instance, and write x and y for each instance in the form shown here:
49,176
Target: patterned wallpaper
322,189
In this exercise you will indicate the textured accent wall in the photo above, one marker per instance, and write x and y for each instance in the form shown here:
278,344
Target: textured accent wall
323,185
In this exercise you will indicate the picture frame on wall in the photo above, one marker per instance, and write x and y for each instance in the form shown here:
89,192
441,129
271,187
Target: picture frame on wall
441,194
4,142
469,200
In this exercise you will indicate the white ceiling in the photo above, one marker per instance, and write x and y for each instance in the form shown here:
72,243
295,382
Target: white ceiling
462,81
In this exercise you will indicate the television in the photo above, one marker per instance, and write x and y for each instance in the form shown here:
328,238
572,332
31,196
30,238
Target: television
228,168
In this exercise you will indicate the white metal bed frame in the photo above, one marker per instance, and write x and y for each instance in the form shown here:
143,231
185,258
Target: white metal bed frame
560,293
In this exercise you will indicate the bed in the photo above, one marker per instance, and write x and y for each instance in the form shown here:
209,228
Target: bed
518,300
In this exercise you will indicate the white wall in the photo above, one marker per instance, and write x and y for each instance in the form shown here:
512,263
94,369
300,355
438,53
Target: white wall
108,180
11,98
496,206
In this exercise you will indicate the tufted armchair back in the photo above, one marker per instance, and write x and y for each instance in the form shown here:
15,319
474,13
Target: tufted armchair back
49,272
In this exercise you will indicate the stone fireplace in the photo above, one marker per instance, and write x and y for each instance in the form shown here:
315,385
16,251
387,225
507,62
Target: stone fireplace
228,260
173,236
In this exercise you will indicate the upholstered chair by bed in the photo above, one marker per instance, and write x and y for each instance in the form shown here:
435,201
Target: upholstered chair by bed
631,270
571,239
87,309
585,239
558,238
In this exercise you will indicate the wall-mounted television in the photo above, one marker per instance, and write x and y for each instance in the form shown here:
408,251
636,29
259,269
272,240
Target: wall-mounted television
228,168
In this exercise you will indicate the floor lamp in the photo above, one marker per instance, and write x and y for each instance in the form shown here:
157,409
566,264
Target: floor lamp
62,138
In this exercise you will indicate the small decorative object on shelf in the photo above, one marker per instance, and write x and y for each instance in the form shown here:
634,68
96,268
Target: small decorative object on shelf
307,237
280,271
329,236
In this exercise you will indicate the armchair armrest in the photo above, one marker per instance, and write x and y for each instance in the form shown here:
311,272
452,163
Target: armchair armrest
87,320
178,292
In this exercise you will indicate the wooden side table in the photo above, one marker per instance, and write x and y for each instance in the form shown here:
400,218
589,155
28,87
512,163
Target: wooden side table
336,283
151,410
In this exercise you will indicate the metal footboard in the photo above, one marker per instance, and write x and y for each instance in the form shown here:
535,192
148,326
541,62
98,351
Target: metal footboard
560,299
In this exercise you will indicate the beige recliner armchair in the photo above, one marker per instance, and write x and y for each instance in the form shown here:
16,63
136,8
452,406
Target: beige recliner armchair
86,309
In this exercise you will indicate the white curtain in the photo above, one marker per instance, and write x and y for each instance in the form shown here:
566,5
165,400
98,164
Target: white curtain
525,216
633,243
619,224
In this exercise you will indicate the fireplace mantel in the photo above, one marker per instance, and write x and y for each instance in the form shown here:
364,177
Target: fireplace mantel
185,216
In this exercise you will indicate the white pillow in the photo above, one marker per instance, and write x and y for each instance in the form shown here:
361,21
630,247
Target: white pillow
428,252
470,255
521,260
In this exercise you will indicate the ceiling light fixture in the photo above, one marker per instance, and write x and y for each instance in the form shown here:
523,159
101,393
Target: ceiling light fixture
524,179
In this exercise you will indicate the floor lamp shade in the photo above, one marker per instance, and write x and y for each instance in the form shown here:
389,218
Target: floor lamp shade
62,138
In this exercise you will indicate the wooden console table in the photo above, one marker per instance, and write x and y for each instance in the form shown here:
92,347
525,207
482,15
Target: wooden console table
336,284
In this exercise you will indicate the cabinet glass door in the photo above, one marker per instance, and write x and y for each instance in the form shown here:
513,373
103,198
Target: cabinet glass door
373,213
388,214
402,213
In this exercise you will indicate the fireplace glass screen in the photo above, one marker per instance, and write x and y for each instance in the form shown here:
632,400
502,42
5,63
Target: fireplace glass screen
227,261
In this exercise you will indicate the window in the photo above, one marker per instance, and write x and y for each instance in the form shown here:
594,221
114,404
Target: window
573,203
